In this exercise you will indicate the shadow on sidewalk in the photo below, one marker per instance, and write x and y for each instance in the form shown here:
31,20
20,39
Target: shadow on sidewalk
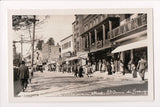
17,87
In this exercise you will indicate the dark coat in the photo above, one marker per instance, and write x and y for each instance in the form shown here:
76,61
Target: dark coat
23,72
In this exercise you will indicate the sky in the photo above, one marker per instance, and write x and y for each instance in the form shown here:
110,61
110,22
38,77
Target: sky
55,26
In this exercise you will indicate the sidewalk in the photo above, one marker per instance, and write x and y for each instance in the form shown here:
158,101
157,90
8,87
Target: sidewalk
118,76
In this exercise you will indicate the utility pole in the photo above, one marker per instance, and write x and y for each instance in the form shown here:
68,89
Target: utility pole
34,22
22,46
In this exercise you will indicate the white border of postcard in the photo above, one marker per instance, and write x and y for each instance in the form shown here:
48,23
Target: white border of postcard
83,11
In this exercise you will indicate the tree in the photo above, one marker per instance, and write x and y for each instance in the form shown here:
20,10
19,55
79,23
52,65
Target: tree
51,41
39,44
21,21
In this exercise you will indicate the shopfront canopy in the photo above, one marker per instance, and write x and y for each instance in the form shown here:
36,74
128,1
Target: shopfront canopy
134,45
72,58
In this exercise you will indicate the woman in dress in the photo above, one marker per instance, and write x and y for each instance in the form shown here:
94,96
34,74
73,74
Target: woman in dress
103,66
99,65
112,66
122,67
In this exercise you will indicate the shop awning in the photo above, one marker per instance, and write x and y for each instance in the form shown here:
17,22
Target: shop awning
134,45
72,58
83,55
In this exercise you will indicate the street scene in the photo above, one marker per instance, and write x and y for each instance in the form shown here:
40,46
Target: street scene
80,55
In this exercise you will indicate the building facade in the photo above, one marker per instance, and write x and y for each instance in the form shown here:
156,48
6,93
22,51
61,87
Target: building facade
50,52
102,36
130,38
67,48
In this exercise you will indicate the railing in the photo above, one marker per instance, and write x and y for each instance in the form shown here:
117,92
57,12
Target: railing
129,26
107,43
99,44
93,46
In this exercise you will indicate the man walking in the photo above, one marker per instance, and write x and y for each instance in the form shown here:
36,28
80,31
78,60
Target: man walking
142,65
23,75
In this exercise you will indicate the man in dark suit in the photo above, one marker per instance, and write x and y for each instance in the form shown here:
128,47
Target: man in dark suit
23,75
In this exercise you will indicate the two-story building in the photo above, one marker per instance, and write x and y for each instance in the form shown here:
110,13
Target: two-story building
130,38
94,35
106,36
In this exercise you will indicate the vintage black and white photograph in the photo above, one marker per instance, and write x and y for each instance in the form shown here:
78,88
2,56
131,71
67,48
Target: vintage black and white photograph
81,55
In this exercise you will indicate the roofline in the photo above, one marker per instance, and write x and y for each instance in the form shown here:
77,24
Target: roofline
66,38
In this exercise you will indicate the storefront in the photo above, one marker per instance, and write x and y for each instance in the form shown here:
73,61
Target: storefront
100,55
132,51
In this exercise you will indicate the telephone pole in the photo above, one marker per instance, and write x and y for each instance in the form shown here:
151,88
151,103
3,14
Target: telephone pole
34,22
22,46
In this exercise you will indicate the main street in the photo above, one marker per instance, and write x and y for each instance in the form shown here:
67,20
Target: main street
98,84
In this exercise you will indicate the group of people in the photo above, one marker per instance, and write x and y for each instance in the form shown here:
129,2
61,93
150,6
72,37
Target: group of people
140,68
113,66
108,66
78,70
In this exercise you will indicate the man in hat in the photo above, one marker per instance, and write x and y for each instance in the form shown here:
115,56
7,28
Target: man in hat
23,76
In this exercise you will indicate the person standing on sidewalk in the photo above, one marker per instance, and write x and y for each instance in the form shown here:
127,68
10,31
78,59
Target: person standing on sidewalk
99,65
80,73
23,76
88,70
142,64
112,66
94,67
109,68
122,67
133,69
104,66
75,70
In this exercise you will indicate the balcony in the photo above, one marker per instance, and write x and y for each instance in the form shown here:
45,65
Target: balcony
99,44
134,24
93,46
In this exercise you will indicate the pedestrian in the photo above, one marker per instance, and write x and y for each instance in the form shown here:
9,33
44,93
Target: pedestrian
112,66
80,73
31,73
88,70
142,65
103,66
122,67
109,68
129,65
133,69
75,70
94,67
23,76
99,65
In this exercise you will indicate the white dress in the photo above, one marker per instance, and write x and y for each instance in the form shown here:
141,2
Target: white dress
121,67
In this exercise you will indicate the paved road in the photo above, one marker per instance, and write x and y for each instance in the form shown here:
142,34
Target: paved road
65,84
